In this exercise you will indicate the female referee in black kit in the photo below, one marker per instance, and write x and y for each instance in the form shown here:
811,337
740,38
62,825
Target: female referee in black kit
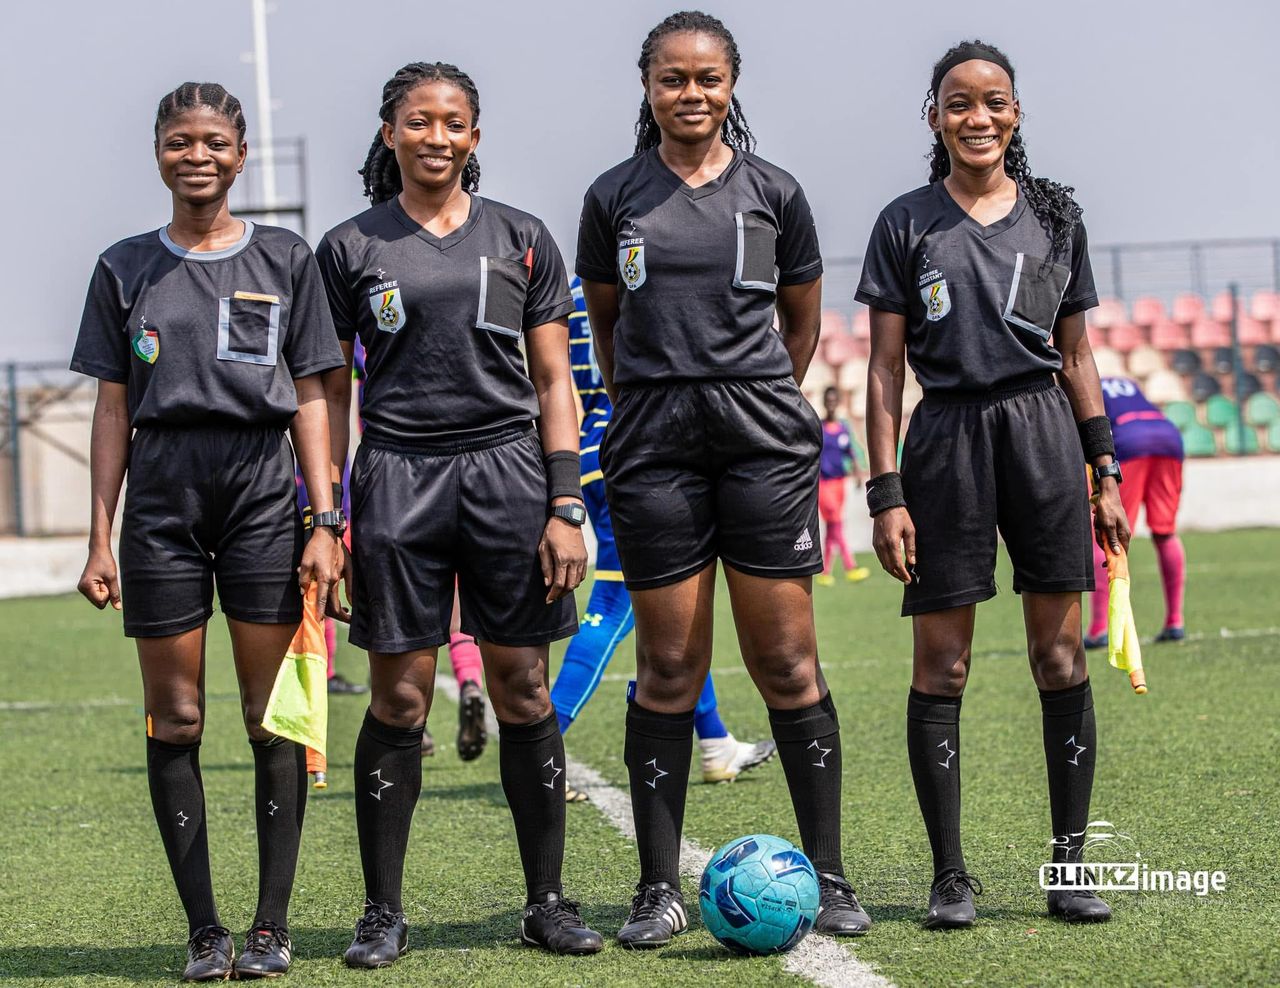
982,278
209,337
685,251
452,480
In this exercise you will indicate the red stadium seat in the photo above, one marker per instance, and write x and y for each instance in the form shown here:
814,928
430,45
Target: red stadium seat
1187,309
1221,308
1124,337
1108,312
1265,306
1148,311
1210,333
1170,335
1098,336
861,327
834,322
1253,331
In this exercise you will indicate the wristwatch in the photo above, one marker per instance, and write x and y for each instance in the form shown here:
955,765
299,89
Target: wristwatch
575,514
334,520
1112,469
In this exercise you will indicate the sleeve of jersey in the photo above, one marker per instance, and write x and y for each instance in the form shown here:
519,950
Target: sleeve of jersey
548,298
102,345
799,257
883,284
334,275
1081,292
311,344
597,259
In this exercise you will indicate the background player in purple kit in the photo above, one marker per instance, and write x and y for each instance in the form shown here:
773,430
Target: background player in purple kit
1150,447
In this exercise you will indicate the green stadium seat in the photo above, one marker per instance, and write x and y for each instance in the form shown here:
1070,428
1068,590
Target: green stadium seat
1240,442
1273,437
1182,414
1199,441
1219,411
1261,409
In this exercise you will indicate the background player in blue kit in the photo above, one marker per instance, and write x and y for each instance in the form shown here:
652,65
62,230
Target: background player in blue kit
609,617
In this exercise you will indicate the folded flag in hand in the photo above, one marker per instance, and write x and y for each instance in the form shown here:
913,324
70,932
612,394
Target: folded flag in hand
1123,649
298,708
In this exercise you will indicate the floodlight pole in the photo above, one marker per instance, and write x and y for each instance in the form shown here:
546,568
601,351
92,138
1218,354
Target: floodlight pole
1237,366
261,66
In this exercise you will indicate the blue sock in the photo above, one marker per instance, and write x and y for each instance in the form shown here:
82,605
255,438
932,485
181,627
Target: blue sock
706,715
608,619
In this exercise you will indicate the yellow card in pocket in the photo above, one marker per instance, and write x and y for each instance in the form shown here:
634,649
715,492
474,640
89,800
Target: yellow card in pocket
257,297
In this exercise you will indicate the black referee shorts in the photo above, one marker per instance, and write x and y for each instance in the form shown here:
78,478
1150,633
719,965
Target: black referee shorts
1008,461
204,504
705,469
473,511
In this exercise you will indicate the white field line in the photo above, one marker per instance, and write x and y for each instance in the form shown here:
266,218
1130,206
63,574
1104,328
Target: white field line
818,959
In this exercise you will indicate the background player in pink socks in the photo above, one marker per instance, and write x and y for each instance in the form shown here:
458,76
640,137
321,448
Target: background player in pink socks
1150,448
841,457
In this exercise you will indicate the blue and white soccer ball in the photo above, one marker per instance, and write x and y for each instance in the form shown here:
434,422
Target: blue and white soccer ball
759,895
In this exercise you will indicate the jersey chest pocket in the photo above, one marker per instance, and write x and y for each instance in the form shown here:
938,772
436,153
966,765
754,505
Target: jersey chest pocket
1035,294
756,266
249,328
504,283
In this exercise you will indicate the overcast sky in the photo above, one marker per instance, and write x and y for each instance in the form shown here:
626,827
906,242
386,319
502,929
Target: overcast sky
1160,113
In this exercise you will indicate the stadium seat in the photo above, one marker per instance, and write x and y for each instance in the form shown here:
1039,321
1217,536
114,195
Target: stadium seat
1219,411
836,349
1210,333
1253,332
1097,335
1188,309
1124,337
1163,386
1148,311
1265,306
1110,311
1266,358
1170,336
1199,441
1110,363
1273,437
834,322
1240,442
1261,409
1247,386
1203,386
1222,360
860,325
1144,361
1220,310
1185,361
1182,414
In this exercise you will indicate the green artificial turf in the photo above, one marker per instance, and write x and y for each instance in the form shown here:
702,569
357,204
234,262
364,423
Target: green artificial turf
1189,771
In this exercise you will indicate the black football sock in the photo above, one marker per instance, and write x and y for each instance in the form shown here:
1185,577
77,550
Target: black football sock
280,799
1070,749
177,796
388,775
531,759
809,747
657,752
933,747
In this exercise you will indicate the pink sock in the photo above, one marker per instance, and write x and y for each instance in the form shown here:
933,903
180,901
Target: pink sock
1173,574
464,656
330,642
1101,595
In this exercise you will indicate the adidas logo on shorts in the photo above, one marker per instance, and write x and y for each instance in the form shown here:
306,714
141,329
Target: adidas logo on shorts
805,542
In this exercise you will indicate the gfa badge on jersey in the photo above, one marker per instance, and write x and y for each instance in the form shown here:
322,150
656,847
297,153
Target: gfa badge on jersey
937,302
631,263
146,345
387,306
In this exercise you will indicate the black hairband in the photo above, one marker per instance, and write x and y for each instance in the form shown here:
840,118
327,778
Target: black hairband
966,53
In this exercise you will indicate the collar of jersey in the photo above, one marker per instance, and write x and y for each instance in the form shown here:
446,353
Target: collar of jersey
985,232
207,255
702,191
440,243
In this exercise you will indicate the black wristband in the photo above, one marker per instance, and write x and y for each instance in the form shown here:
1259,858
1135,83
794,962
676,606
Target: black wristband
885,492
564,474
1096,438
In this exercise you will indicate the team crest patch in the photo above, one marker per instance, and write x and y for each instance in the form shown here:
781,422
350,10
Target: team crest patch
937,301
631,263
388,306
146,345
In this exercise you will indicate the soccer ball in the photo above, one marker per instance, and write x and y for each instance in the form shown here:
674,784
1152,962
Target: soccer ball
759,895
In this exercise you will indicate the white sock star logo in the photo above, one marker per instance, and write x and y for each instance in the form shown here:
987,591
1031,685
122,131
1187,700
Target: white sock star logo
382,784
271,807
653,783
555,772
950,754
822,754
1080,750
182,819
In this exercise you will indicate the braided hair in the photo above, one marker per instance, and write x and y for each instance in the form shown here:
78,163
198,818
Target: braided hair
191,95
1050,201
735,131
381,172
